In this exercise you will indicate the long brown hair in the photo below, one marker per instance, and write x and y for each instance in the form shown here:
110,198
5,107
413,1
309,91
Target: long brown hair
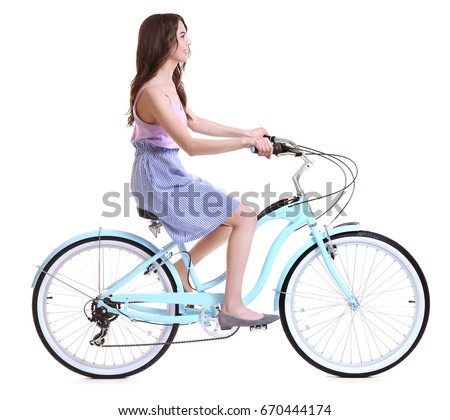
157,36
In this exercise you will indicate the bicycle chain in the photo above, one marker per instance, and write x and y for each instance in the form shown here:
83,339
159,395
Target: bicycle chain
159,344
171,342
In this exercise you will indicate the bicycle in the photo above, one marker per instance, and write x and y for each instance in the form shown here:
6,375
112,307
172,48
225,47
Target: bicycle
353,303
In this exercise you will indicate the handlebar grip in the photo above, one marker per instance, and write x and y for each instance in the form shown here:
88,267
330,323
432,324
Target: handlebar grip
281,146
271,138
253,149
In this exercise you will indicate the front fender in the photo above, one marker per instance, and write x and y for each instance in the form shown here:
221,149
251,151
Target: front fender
346,227
97,233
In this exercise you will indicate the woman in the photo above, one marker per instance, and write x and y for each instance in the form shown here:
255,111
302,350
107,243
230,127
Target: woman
160,115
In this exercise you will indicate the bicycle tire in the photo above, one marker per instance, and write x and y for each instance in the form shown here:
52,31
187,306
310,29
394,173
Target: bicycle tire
394,306
62,305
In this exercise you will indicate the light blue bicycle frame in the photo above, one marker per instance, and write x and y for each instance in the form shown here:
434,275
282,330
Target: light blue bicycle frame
296,210
297,213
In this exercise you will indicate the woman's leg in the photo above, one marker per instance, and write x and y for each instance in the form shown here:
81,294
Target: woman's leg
243,223
200,250
239,230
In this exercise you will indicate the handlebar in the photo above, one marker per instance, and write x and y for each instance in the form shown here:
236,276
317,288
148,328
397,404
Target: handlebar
281,147
349,169
285,147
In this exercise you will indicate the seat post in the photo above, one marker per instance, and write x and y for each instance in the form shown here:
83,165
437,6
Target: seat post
155,224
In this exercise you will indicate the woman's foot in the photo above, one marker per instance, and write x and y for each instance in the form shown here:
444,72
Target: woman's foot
242,312
227,322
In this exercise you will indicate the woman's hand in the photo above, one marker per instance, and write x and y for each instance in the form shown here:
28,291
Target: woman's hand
257,132
263,145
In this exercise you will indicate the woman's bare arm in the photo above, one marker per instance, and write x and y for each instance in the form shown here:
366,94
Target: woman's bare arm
158,107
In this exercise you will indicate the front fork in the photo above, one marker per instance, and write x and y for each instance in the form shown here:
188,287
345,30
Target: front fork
329,252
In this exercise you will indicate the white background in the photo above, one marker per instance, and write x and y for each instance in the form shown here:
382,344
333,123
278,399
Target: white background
366,79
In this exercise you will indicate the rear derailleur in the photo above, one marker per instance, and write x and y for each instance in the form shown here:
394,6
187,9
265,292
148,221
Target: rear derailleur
103,318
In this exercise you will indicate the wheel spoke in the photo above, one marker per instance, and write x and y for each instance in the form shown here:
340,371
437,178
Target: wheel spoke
371,337
64,304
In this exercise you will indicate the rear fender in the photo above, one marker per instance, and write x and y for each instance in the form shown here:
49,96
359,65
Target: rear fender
96,234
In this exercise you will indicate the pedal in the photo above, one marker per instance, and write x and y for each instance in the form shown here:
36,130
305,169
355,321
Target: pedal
258,327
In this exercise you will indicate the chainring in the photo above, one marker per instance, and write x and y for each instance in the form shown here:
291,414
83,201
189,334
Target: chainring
210,323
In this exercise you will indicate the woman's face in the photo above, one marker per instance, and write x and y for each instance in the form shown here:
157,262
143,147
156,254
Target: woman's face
182,50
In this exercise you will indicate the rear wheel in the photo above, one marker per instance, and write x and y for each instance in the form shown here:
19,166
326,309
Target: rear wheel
386,326
67,318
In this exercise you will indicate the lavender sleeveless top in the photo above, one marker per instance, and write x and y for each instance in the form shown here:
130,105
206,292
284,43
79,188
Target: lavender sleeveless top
155,133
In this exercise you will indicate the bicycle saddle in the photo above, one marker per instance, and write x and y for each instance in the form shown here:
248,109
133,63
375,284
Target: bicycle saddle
146,214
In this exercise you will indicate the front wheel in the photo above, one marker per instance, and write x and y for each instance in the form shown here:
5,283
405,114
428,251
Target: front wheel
384,328
66,315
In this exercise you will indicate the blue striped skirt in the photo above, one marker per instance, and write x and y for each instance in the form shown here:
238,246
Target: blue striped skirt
188,206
